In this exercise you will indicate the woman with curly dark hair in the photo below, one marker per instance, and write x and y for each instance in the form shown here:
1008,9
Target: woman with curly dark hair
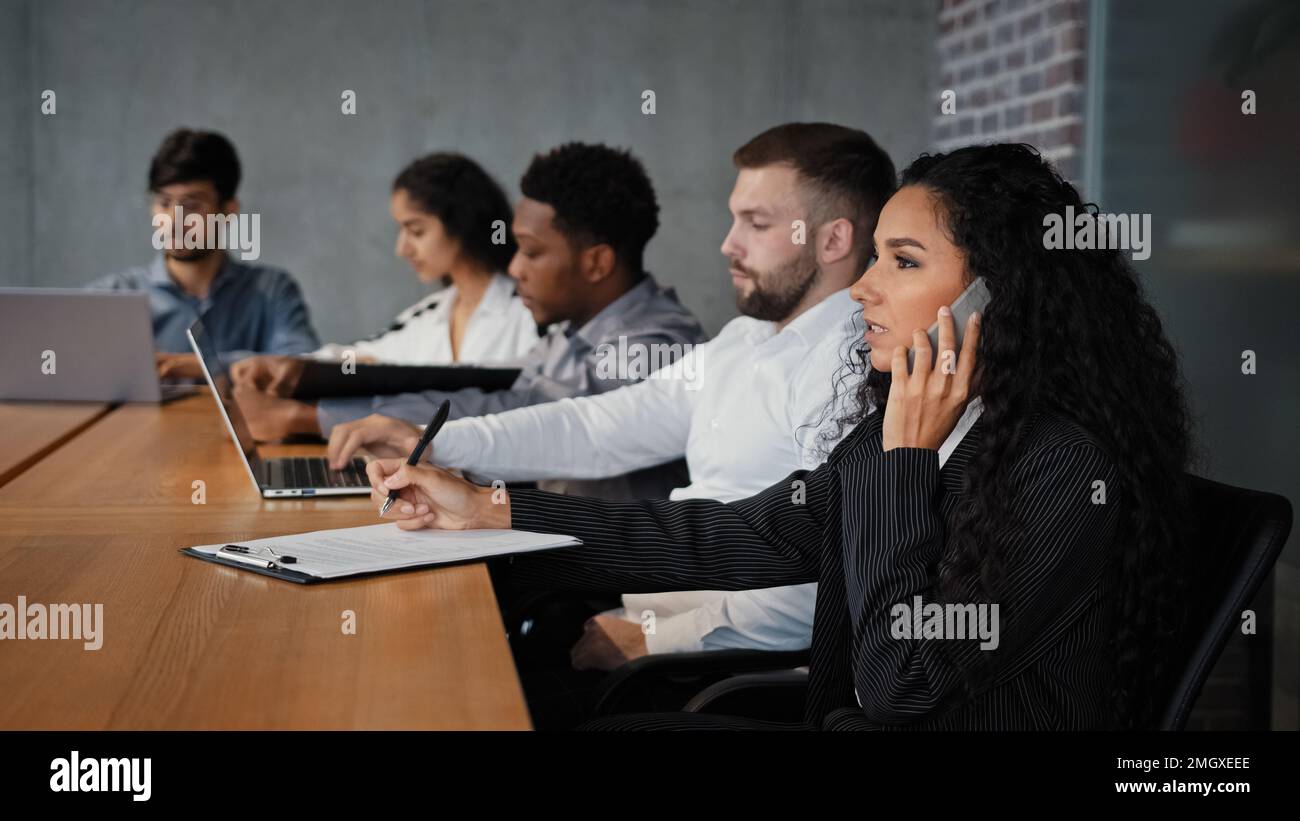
1036,474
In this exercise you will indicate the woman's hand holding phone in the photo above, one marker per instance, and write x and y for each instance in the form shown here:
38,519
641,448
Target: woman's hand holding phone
924,405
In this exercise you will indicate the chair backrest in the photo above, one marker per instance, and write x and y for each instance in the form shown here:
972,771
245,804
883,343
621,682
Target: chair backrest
1237,536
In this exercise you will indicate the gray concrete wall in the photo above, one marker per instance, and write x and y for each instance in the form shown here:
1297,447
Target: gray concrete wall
19,107
496,79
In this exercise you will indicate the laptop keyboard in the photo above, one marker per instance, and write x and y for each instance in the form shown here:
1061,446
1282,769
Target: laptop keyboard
314,471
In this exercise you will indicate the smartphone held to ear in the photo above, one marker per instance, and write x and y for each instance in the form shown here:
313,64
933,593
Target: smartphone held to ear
974,298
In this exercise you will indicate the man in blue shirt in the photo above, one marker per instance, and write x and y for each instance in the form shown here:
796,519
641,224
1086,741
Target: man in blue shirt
246,307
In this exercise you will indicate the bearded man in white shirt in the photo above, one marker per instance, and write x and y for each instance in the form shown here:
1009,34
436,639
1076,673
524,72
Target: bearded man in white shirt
745,409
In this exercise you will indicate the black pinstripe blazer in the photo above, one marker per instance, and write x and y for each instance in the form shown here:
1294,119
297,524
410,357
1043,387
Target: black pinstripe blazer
870,527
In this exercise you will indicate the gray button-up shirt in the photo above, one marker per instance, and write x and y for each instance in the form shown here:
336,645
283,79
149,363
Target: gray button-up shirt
248,308
563,363
566,362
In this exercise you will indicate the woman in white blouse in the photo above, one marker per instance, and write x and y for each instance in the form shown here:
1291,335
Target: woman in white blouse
448,211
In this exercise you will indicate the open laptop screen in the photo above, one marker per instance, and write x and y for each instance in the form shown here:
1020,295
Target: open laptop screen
219,380
66,344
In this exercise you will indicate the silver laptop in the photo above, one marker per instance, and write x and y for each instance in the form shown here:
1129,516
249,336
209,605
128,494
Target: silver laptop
70,344
277,477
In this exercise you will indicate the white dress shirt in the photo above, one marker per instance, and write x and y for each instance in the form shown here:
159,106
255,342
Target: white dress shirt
500,330
745,409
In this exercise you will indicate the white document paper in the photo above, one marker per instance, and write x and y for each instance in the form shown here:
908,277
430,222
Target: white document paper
332,554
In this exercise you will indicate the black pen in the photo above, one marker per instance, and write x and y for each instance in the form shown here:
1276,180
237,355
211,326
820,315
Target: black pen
429,432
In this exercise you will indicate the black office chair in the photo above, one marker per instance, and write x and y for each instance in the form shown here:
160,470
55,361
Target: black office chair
1237,536
657,683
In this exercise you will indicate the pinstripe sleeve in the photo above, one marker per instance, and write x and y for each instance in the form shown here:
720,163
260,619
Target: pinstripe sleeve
894,536
768,540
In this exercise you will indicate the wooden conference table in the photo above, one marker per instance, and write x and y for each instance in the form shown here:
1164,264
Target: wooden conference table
93,508
30,430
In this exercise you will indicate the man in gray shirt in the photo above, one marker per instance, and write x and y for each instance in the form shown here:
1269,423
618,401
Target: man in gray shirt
586,215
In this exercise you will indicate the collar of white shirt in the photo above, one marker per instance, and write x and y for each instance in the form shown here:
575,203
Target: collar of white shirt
496,297
964,424
831,314
499,293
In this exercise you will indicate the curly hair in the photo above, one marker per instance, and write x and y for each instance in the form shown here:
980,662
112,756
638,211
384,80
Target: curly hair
465,199
601,195
1068,331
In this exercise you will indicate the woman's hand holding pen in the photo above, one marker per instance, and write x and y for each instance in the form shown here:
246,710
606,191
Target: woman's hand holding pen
925,405
432,497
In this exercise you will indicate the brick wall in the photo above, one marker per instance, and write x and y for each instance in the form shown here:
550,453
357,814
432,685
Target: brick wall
1017,68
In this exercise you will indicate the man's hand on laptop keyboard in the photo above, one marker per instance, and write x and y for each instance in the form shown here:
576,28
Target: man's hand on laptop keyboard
383,436
177,366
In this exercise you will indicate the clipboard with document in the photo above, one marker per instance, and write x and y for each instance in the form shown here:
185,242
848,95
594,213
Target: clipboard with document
327,555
